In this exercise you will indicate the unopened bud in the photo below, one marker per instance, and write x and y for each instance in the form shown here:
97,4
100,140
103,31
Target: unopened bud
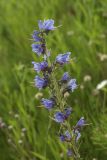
39,95
66,94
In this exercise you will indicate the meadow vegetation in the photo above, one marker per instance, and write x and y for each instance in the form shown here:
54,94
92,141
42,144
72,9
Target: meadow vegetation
24,134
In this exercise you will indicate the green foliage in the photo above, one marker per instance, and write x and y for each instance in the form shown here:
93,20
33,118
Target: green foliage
84,33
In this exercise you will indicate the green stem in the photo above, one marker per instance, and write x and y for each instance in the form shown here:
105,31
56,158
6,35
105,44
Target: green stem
56,91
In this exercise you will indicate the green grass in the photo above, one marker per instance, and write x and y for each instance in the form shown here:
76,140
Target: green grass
84,33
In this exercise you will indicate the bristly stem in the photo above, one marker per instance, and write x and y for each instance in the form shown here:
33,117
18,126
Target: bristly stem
56,89
57,105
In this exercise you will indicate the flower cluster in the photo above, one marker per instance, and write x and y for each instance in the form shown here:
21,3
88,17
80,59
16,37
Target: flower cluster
56,103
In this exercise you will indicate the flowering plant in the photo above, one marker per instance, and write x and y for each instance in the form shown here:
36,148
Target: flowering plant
56,104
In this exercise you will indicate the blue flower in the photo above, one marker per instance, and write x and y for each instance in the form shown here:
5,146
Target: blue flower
40,82
59,117
81,122
40,66
72,85
68,112
67,135
63,58
46,25
37,48
78,135
69,153
62,137
48,103
65,77
36,36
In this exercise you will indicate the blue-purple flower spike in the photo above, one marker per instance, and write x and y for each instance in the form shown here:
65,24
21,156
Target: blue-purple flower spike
59,110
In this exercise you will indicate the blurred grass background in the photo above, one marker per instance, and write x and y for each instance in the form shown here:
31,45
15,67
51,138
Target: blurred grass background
84,32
